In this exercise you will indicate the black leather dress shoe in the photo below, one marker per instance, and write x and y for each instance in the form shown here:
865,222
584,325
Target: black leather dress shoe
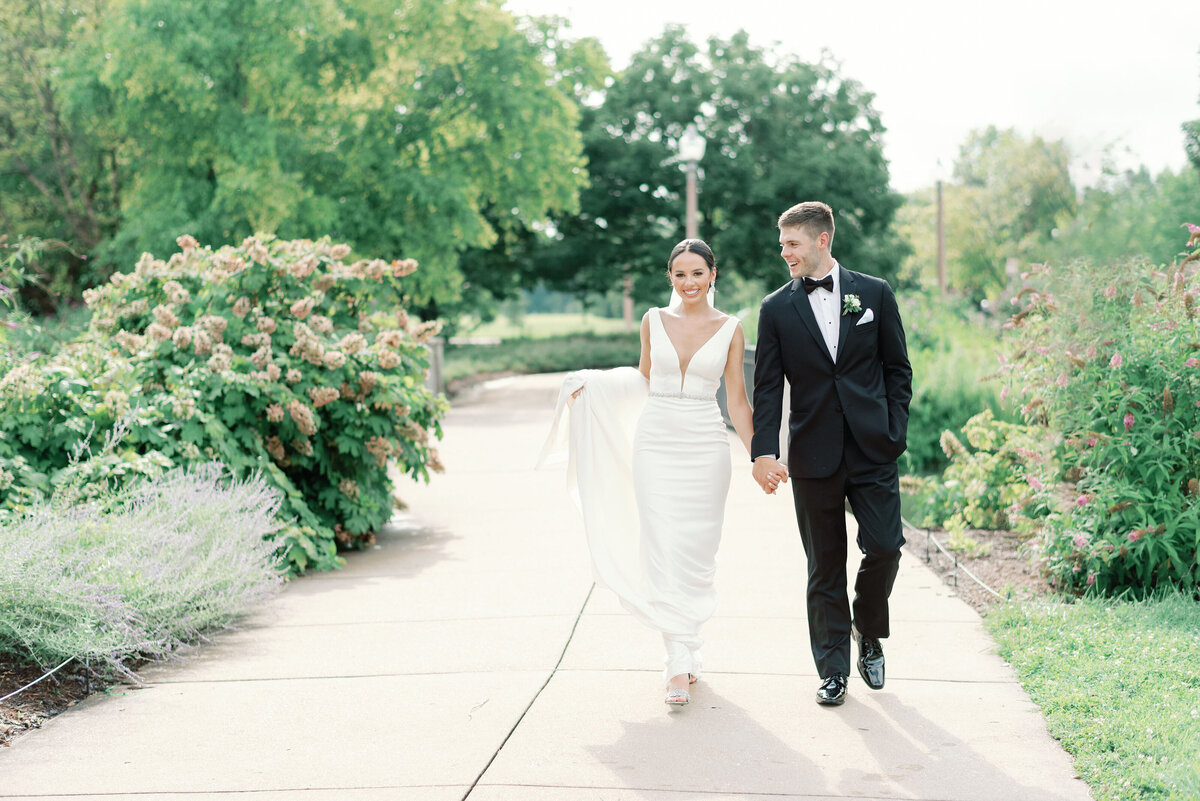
832,691
870,659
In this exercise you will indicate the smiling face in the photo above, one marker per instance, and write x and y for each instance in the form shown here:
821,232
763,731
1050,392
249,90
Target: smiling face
804,253
691,276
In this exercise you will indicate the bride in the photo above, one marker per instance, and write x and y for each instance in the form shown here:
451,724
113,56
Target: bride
649,461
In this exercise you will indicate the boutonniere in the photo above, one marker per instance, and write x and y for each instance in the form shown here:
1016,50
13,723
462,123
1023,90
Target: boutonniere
851,305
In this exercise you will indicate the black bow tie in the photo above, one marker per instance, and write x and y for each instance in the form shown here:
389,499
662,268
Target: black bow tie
811,284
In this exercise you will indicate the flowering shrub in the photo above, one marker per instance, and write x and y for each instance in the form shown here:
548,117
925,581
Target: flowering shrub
262,356
999,482
1112,361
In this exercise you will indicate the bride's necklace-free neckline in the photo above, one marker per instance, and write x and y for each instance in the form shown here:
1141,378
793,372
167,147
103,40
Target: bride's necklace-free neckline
684,365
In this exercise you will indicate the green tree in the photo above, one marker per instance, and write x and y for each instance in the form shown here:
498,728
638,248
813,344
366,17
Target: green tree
1008,196
421,130
1131,215
1191,142
778,131
59,174
514,260
784,131
630,213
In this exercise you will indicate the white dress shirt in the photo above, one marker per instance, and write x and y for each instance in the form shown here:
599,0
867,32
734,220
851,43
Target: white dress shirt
827,309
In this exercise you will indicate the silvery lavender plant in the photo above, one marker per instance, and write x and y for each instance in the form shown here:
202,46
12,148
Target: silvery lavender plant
135,575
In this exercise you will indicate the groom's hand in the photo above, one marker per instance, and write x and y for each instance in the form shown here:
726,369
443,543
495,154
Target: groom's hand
769,472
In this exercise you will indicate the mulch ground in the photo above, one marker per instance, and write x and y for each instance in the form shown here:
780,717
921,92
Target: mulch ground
998,563
31,708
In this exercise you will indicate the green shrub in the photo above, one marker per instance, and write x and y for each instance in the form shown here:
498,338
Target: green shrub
261,356
133,575
1000,482
951,356
1111,359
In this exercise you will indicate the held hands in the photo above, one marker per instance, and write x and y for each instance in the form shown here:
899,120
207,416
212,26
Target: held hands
769,472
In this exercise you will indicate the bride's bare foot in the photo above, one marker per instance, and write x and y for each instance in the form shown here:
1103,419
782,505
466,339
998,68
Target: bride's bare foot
679,682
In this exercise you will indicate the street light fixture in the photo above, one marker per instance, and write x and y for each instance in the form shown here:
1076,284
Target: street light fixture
691,150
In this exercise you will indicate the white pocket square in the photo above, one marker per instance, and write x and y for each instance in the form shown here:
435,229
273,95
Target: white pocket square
867,317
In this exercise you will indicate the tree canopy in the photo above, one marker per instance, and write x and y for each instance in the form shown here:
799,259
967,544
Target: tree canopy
1131,215
418,130
441,130
1008,196
778,131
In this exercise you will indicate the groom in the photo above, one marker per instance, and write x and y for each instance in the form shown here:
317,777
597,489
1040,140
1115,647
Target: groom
836,336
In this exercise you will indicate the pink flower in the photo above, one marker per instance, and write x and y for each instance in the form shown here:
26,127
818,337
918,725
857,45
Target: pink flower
1193,234
1083,500
1192,362
1080,541
1091,579
1116,360
1110,292
1135,535
1091,441
1128,420
1035,483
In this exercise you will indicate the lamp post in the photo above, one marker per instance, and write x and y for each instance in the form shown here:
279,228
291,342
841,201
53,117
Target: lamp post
691,150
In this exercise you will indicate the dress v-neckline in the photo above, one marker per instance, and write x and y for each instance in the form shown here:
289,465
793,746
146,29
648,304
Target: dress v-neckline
683,369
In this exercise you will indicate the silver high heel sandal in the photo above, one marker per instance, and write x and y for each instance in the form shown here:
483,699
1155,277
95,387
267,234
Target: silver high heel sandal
681,697
678,697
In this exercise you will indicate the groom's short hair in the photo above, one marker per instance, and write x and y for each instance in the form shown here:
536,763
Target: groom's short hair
811,215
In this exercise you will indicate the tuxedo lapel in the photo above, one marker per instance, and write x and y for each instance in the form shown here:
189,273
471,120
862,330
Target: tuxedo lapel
846,282
800,302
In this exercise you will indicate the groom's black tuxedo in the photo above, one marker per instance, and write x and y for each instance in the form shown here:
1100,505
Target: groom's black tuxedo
847,426
868,388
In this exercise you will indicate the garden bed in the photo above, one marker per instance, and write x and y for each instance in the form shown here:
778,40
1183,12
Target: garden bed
995,557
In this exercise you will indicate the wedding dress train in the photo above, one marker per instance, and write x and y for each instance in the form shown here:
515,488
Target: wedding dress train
650,469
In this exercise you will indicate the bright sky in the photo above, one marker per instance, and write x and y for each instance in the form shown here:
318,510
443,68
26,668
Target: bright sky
1100,75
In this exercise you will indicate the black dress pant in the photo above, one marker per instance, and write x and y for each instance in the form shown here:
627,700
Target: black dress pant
873,491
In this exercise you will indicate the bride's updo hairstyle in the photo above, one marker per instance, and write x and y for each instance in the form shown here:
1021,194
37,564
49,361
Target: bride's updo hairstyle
700,248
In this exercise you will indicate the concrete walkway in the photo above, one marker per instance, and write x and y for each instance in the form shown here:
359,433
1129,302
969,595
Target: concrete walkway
467,656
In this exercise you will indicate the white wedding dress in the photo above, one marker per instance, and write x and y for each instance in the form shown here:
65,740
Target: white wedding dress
650,471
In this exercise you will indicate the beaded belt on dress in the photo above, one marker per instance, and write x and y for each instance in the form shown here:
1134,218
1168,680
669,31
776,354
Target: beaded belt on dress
683,396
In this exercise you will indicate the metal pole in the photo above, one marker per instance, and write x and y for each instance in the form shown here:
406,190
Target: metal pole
691,225
941,242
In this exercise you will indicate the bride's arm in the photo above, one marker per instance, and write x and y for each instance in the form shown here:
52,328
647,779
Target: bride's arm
644,359
735,389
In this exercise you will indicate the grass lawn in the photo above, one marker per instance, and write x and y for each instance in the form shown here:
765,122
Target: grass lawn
541,326
1119,684
541,355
